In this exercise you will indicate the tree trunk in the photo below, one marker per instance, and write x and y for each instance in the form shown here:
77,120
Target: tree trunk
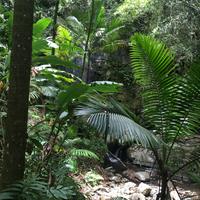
86,49
18,95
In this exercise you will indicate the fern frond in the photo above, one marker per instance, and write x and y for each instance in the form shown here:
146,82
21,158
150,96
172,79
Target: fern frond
69,143
35,91
34,189
27,189
83,153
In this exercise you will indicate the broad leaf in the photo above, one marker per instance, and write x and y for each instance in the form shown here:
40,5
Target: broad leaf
40,26
53,60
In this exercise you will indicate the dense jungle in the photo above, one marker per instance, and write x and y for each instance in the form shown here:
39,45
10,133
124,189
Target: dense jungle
99,100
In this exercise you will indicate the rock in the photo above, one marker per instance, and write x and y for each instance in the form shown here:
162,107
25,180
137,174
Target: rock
115,162
141,156
142,176
193,198
137,196
129,187
144,189
116,178
170,186
174,195
154,191
129,174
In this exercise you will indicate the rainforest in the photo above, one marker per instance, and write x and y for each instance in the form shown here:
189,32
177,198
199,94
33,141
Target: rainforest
99,100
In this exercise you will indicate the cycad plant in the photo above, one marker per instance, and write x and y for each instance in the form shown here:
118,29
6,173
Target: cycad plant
171,102
171,106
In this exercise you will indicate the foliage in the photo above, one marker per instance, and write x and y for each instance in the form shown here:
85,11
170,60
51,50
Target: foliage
114,121
171,103
58,143
93,178
31,189
163,89
177,24
131,9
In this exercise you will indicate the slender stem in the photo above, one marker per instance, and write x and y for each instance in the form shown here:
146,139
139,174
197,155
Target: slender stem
38,123
55,25
107,126
183,166
88,66
180,128
164,174
176,188
175,138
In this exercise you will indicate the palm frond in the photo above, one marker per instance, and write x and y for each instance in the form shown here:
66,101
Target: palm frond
153,66
114,122
188,102
171,102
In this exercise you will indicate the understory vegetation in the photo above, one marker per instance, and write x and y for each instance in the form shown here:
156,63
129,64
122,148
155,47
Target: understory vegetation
96,73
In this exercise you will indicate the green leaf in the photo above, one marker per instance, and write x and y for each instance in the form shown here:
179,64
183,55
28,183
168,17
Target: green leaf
40,26
153,67
36,143
49,91
106,86
53,60
39,46
83,153
63,115
114,122
72,92
63,34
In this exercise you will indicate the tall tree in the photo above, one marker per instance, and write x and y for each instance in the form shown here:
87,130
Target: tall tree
17,114
86,56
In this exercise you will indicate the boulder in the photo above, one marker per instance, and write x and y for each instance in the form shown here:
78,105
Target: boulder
144,189
174,195
129,174
141,156
142,176
137,196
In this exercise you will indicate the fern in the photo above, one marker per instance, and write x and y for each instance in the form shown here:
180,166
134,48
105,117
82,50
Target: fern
28,189
83,153
34,189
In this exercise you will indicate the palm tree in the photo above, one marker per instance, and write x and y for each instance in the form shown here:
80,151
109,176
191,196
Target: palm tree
114,121
171,106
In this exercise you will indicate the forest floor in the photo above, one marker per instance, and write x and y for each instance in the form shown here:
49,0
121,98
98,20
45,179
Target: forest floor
110,185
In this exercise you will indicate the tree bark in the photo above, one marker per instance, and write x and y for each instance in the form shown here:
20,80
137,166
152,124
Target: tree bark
18,95
86,49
